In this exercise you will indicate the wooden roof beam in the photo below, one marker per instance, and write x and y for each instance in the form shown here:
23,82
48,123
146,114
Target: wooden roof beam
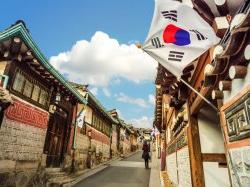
222,7
203,9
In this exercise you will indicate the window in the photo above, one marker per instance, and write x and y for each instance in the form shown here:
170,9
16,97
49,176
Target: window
30,88
36,93
43,97
27,88
19,82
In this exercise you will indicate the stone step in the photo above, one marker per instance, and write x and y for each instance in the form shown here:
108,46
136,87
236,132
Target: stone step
51,170
56,174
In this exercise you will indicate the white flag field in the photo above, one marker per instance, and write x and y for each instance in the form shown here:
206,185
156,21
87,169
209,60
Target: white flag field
178,35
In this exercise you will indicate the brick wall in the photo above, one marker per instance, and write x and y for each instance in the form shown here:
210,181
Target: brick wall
172,167
100,142
184,173
98,136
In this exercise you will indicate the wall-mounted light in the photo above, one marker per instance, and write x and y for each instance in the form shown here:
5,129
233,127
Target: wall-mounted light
58,97
52,108
67,98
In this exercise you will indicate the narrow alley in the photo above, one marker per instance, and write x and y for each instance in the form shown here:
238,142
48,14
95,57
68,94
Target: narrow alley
126,172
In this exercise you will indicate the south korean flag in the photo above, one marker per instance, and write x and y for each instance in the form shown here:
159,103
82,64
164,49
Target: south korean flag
178,35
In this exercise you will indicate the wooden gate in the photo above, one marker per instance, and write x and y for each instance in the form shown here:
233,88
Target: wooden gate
55,138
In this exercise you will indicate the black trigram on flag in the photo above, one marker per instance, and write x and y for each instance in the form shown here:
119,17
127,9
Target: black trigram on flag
175,56
171,14
156,42
199,35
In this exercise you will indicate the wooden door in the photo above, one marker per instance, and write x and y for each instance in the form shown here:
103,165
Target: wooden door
55,138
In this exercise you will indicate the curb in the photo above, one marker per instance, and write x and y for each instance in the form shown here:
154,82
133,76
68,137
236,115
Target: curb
154,180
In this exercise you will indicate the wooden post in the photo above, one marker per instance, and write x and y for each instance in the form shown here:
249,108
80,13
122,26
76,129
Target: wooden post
195,153
237,72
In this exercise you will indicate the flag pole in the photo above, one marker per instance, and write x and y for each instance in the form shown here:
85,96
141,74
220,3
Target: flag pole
204,98
188,85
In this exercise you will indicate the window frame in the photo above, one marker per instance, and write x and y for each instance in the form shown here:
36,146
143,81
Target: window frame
34,83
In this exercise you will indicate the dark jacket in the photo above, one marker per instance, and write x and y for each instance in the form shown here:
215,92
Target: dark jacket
146,150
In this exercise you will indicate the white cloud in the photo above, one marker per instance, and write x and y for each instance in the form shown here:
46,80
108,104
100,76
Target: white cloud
102,59
143,122
121,97
94,90
151,99
106,92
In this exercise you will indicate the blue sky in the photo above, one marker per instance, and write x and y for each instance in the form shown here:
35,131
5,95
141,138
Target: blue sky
69,31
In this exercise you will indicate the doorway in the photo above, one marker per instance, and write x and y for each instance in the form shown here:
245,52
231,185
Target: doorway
55,138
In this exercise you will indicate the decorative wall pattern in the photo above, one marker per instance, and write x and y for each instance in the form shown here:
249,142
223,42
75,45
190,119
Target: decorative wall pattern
27,114
238,119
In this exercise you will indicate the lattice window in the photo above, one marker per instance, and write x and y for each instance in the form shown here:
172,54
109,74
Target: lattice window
30,88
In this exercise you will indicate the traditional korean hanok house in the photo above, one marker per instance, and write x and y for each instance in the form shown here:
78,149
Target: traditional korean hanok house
35,129
133,138
205,145
115,143
94,131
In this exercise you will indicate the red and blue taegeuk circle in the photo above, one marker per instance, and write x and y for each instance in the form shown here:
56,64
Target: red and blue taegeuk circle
176,35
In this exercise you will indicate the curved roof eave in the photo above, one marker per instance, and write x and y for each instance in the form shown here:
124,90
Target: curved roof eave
20,31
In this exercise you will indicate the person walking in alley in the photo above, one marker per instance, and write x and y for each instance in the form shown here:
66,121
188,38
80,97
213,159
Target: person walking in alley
145,154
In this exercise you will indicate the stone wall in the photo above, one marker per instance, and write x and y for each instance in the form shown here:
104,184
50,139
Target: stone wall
22,136
241,163
102,148
22,132
114,143
184,173
172,167
82,146
126,146
19,141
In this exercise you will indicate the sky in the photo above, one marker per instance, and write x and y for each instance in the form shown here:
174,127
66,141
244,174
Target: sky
93,42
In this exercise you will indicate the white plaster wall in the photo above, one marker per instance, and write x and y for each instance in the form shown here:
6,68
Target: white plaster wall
211,138
88,116
215,176
237,85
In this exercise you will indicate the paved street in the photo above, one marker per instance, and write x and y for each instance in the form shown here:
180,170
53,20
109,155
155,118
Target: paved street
129,172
